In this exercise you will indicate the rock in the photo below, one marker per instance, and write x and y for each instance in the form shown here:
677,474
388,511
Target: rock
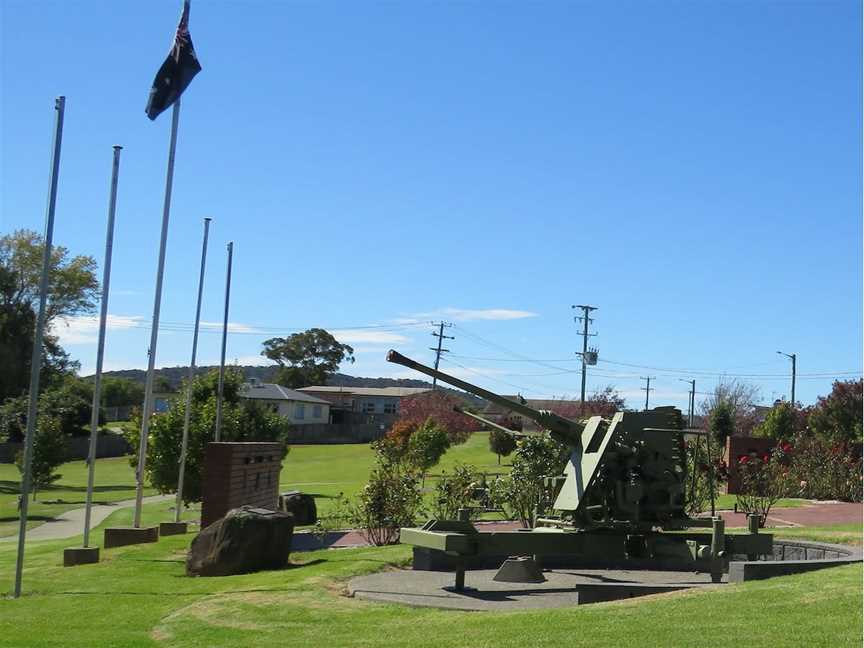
300,505
247,539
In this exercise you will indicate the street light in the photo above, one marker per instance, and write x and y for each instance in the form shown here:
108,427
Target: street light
792,357
691,412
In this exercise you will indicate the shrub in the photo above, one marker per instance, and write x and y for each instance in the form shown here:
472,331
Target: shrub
824,469
390,500
522,494
764,480
704,474
49,452
457,491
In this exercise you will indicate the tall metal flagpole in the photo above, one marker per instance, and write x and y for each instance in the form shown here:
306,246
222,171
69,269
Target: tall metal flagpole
218,435
154,327
185,442
100,349
36,359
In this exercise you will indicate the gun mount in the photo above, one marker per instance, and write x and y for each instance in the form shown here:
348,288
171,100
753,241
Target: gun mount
623,488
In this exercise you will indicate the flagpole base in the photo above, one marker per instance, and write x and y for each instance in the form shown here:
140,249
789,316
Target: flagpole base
122,536
80,556
173,528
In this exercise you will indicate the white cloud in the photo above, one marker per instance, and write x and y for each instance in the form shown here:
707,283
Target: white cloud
84,329
470,314
233,327
370,336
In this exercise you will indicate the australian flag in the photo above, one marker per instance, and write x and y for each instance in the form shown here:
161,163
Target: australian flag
176,72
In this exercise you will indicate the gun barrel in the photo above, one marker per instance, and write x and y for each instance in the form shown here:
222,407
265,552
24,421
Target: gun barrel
564,429
489,423
398,358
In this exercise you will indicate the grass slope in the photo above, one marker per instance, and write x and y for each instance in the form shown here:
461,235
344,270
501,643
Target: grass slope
139,596
115,481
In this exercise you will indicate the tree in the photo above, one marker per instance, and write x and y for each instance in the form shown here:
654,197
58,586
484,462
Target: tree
426,446
781,423
721,421
838,416
242,420
501,443
73,291
438,406
49,452
121,392
70,403
741,397
74,288
307,358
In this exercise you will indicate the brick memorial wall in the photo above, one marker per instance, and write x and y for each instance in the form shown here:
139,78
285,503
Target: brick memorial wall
239,473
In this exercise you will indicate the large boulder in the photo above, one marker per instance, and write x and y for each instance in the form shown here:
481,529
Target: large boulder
247,539
300,505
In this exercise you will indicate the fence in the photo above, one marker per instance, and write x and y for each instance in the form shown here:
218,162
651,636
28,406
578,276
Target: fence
107,445
320,433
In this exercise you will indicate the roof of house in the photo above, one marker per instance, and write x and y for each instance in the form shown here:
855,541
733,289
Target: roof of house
367,391
270,391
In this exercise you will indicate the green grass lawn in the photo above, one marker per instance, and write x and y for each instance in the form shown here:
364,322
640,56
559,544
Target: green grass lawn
139,596
327,470
114,481
322,470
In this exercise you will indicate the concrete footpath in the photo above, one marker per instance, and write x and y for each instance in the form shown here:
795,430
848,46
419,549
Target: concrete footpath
71,523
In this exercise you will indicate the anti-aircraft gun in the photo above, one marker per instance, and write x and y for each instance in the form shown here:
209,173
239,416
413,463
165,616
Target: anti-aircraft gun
620,501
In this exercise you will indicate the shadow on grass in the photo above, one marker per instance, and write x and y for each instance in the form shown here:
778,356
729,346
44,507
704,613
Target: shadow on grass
31,518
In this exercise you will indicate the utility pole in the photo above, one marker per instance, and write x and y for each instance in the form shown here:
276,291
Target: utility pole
647,388
691,406
438,351
586,320
793,357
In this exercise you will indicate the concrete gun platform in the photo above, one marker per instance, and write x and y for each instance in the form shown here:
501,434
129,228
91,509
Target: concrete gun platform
563,588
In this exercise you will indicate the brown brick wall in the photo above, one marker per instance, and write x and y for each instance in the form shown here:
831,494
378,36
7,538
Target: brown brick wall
239,473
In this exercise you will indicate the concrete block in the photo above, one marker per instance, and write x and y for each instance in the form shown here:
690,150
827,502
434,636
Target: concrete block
172,528
122,536
80,556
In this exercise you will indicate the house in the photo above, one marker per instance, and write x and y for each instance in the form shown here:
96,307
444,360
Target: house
298,407
364,400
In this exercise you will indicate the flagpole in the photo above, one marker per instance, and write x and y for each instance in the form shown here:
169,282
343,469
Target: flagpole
191,377
154,327
100,349
218,435
36,358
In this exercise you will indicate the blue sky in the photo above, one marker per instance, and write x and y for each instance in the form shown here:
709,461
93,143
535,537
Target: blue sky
691,168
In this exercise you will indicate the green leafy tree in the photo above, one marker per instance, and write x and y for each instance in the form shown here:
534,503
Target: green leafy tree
242,420
523,494
74,290
121,392
721,421
501,443
69,402
307,358
426,447
781,423
49,452
838,416
737,398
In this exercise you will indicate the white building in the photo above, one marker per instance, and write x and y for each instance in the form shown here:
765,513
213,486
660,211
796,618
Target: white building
297,407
